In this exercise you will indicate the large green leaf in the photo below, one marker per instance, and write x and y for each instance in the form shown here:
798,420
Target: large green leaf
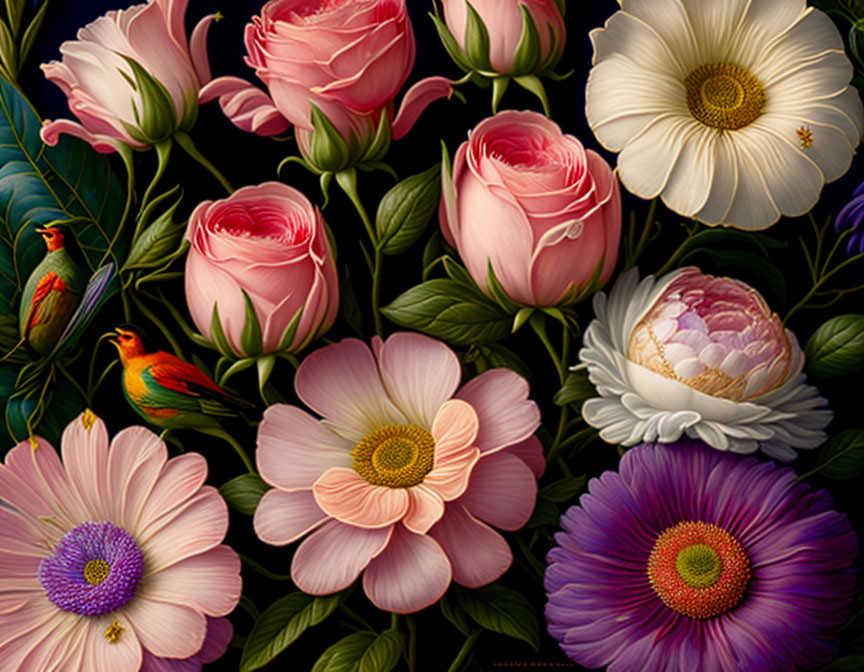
837,347
502,610
40,185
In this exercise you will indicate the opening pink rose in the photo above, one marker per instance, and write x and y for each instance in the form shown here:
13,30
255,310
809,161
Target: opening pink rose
536,206
271,243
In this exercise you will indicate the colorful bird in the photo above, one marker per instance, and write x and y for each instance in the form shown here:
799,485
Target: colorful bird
168,392
51,294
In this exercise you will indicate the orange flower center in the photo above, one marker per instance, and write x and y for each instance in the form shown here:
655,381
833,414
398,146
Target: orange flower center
699,570
395,456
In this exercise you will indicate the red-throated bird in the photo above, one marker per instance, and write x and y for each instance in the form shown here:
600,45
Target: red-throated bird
51,294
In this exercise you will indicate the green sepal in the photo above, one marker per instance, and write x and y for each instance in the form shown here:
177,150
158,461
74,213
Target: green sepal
290,331
330,151
533,84
521,318
556,51
325,180
299,161
250,338
235,368
476,40
458,273
576,293
265,369
528,54
499,88
218,335
562,6
497,291
381,142
451,45
157,118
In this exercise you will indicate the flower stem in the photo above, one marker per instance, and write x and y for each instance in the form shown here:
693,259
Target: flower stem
175,345
355,617
643,239
126,155
538,324
466,652
412,644
186,143
231,441
263,571
163,153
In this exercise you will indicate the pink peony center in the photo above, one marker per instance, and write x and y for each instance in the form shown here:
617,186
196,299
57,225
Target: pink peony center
330,11
267,225
716,335
395,456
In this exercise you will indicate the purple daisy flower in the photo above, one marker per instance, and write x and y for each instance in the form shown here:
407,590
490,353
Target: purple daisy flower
693,559
852,217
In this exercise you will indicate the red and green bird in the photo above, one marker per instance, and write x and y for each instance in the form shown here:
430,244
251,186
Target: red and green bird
168,392
51,295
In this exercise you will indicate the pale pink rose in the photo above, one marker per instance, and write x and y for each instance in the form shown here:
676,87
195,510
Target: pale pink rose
271,242
349,58
503,21
405,475
535,204
104,93
112,560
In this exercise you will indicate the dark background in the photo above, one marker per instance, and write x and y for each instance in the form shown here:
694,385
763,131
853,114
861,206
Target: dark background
248,159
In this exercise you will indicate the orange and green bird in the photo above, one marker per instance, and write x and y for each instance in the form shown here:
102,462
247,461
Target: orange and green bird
51,294
168,392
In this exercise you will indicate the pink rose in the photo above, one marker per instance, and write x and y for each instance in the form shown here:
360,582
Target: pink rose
348,58
131,77
504,24
535,204
271,243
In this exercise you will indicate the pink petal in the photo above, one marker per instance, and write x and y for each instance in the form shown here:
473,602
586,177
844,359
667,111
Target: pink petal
135,461
179,479
194,528
18,495
19,534
425,508
341,383
416,100
247,107
100,655
454,431
420,374
502,491
219,634
347,496
54,646
198,50
530,451
331,558
52,130
85,455
165,630
209,582
412,573
506,415
294,448
284,517
479,554
33,613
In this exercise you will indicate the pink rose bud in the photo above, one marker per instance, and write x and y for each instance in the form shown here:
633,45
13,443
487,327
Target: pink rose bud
333,69
132,77
717,336
506,37
267,243
535,207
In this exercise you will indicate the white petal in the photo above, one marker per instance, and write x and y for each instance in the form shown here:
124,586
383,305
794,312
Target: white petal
670,21
821,78
689,184
763,21
645,164
751,207
637,40
724,183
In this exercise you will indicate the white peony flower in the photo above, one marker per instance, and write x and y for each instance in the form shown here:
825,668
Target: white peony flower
691,353
734,112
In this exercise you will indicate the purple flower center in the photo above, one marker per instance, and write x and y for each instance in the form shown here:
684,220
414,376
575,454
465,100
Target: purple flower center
94,569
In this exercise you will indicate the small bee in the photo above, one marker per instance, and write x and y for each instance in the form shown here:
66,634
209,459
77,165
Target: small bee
805,137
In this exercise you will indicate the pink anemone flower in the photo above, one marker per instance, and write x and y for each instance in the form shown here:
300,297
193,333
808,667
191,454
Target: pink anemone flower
111,561
404,476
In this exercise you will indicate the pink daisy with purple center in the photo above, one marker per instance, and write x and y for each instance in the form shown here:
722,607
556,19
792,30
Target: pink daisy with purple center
692,559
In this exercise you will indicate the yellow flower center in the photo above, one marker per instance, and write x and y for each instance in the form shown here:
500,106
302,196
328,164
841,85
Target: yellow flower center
96,571
724,96
395,456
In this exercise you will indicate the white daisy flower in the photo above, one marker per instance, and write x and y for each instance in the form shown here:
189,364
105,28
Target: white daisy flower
734,112
702,356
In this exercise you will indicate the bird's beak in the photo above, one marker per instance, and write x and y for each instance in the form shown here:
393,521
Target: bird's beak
110,337
43,232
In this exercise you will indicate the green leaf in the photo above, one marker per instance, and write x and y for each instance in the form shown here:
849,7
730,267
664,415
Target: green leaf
450,311
31,33
577,388
383,654
455,614
218,335
521,318
40,185
8,51
10,341
546,514
345,655
497,291
476,40
159,241
532,84
842,458
432,252
281,624
528,53
406,209
250,338
458,273
244,492
502,610
837,347
563,490
499,356
15,10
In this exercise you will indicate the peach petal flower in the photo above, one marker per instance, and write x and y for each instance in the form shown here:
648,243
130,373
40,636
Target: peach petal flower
405,474
144,535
